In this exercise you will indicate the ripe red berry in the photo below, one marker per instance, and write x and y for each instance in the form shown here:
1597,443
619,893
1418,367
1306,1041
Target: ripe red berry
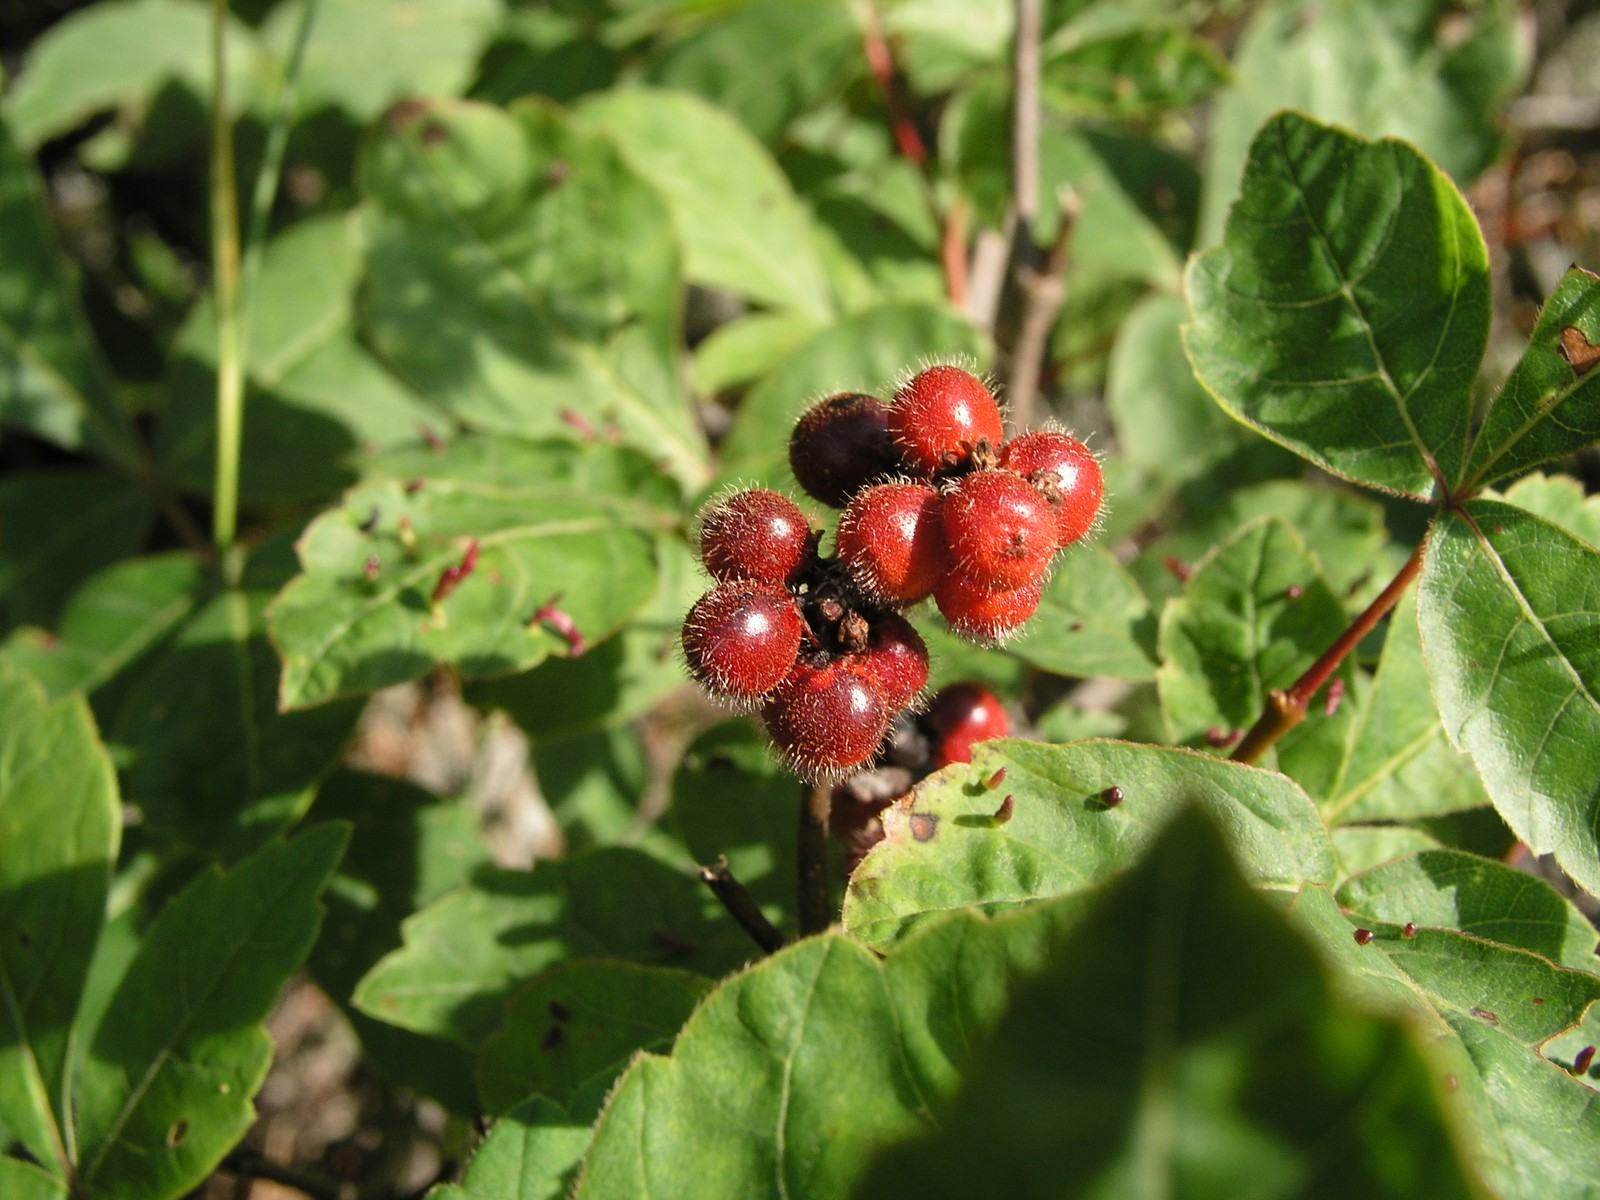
756,534
940,416
896,660
841,445
741,638
826,720
1001,529
1066,472
983,613
892,538
960,716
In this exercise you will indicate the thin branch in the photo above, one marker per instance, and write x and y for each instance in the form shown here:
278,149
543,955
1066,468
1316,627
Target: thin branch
880,61
1025,116
953,254
1286,709
1044,291
246,1163
815,904
741,905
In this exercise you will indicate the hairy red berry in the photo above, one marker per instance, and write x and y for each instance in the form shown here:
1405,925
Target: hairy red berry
962,715
826,720
756,534
982,613
741,638
940,416
841,445
896,660
1001,530
891,536
1066,472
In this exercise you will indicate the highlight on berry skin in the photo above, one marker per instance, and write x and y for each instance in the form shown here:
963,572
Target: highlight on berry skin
935,503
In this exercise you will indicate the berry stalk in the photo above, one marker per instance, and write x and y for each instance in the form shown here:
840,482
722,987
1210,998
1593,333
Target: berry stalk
1286,709
815,907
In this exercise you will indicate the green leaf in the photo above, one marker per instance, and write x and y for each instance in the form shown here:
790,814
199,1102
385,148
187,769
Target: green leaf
167,1086
1362,847
938,42
531,1153
466,954
60,527
578,1020
494,287
215,764
741,350
1429,71
737,217
865,351
1548,407
1489,1006
56,385
619,680
791,1072
403,49
944,849
59,829
1092,621
23,1181
1183,1041
1398,764
1559,499
117,56
407,848
1165,421
340,632
1253,616
1345,313
1510,617
1141,72
769,61
1450,889
316,395
110,621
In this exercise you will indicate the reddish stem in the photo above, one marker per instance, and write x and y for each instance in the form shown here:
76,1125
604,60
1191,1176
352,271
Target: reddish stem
880,61
1286,709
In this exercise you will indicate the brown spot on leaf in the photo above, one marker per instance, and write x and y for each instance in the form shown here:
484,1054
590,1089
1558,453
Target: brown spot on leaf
559,1010
553,1038
176,1134
1483,1014
1579,351
924,826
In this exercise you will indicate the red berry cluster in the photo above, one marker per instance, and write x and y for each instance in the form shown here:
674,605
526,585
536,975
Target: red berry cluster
936,503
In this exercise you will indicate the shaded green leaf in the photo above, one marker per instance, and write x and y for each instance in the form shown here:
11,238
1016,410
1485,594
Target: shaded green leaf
111,621
407,848
215,764
531,1153
1092,621
56,385
403,49
1345,313
1135,73
59,829
736,214
167,1085
117,56
56,529
1430,71
865,351
1549,406
577,1020
1183,1041
467,953
944,849
493,284
340,632
1509,610
1398,763
316,395
769,61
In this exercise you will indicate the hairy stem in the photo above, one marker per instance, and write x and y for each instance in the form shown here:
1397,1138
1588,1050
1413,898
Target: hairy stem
815,904
741,905
225,291
1286,709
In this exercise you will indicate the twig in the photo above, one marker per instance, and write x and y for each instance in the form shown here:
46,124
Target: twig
246,1163
741,905
1286,709
880,61
1025,117
815,905
953,254
1044,291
